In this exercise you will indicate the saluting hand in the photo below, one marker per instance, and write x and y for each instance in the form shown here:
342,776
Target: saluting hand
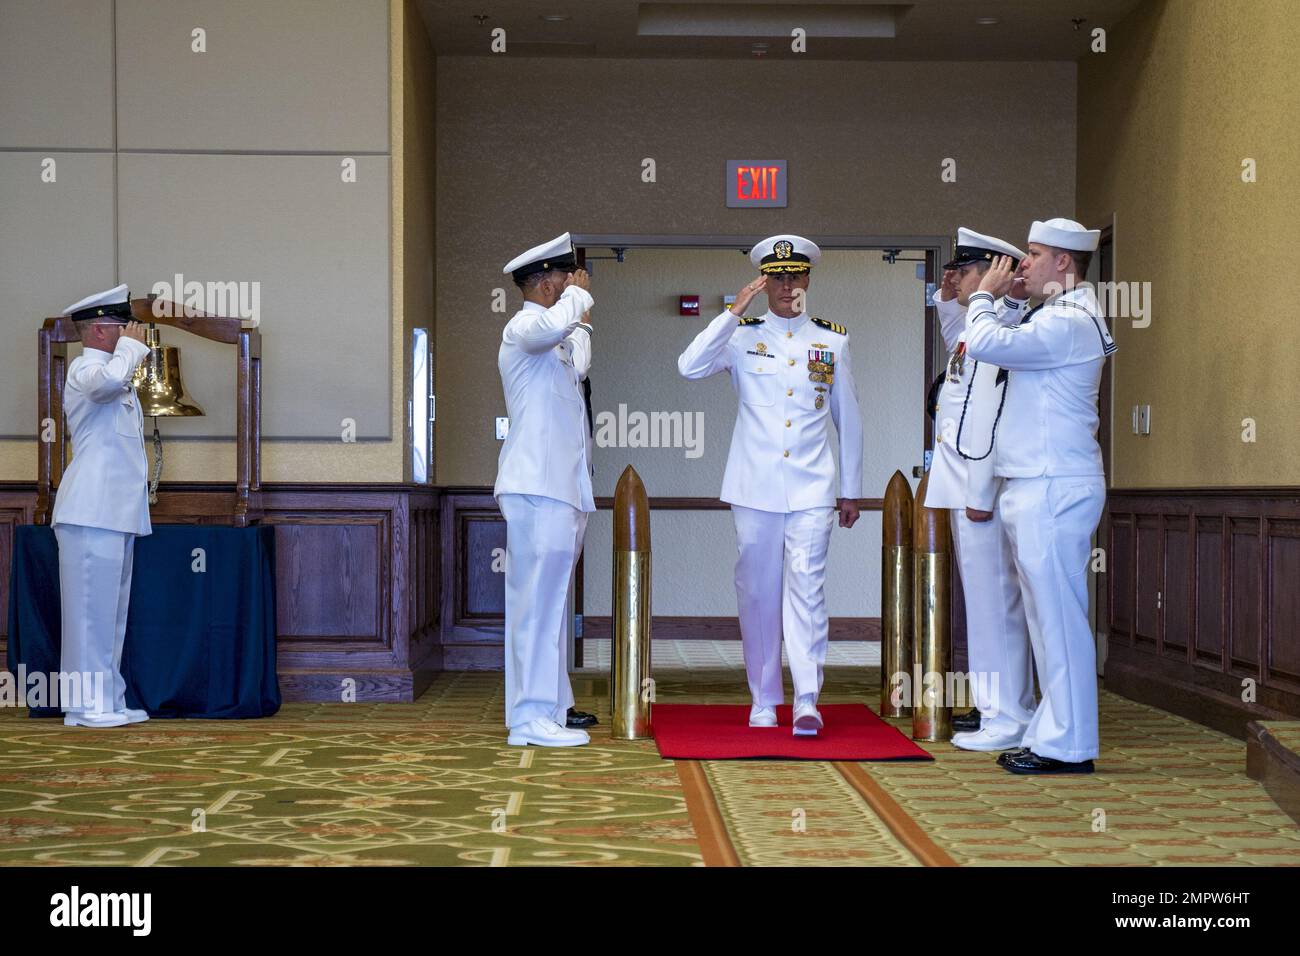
1019,290
948,287
998,278
134,330
580,278
746,295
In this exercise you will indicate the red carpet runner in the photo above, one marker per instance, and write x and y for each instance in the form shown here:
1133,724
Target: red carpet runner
722,732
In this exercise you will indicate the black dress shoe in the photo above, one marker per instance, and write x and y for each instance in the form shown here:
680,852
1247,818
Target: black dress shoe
1008,754
967,722
1031,763
579,719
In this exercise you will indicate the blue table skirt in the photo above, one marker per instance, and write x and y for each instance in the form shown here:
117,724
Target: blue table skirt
198,643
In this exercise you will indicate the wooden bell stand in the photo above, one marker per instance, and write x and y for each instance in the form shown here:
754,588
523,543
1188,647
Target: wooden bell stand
242,508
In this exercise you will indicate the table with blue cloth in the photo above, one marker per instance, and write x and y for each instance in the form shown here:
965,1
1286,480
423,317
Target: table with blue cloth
199,643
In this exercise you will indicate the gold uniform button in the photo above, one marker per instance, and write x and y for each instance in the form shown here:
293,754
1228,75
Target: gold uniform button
789,391
789,335
787,453
791,361
787,423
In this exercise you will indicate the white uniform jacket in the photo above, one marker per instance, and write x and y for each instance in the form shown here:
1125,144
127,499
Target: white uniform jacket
780,457
544,356
107,484
1054,357
961,469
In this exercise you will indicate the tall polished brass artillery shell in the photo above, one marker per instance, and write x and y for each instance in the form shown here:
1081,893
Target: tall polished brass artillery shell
631,687
896,598
931,641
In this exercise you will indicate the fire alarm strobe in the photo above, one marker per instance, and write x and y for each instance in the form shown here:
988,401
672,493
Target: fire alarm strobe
689,305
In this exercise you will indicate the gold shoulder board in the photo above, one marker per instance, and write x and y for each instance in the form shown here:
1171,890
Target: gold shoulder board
838,329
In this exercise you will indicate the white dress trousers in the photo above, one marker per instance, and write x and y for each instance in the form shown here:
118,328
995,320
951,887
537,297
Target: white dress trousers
1049,524
780,578
997,642
543,541
1053,496
95,589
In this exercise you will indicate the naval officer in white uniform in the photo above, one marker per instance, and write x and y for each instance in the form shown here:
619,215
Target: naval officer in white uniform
543,485
1054,487
794,376
962,479
102,504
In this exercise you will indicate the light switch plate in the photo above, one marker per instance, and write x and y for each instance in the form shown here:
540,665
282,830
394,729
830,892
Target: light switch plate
1144,419
503,428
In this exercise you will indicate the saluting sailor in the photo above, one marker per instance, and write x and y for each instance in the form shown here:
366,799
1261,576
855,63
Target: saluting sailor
962,479
1054,488
543,486
794,376
101,506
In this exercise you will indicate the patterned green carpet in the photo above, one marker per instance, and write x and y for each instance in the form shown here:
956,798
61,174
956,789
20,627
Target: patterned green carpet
433,783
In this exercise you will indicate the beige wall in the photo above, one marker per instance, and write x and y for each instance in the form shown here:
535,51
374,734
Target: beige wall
223,165
528,148
1187,91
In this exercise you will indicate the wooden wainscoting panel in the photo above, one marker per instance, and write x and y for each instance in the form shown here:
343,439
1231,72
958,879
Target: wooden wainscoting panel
482,547
1121,575
1209,607
473,605
330,574
358,578
1282,607
424,597
1224,566
1149,583
1244,602
1176,597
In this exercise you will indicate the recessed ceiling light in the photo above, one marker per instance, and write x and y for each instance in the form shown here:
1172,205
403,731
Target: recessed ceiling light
987,21
554,17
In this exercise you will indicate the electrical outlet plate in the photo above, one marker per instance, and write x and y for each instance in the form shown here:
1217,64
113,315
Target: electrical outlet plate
503,428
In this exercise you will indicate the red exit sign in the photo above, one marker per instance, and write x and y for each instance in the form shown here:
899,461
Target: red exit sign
756,182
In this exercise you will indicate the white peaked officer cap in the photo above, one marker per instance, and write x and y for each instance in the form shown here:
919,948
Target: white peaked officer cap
976,247
111,304
556,254
785,253
1065,234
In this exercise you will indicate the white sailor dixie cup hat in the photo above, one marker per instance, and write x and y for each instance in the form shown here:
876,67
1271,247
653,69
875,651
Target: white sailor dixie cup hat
556,254
976,247
113,304
784,253
1064,234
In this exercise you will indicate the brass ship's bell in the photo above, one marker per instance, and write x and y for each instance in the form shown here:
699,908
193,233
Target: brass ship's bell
161,392
158,381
